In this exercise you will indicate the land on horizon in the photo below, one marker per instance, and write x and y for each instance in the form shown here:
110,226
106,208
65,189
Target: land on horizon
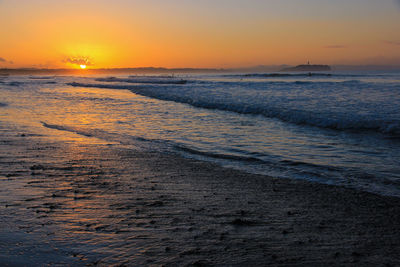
255,69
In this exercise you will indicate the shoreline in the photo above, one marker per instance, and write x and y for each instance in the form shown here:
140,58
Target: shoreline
79,204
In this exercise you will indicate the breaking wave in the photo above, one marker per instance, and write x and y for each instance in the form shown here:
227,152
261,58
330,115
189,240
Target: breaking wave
41,77
144,79
282,75
308,108
218,155
87,133
294,75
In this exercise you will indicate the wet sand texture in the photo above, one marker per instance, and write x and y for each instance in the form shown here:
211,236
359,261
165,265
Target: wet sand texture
85,204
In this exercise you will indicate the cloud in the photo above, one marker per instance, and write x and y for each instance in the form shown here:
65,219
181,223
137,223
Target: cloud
335,46
81,60
392,42
396,3
3,60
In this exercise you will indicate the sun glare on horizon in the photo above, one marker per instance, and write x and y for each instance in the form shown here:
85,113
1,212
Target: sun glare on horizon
82,66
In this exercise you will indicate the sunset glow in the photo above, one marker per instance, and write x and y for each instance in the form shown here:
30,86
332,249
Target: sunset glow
82,66
182,33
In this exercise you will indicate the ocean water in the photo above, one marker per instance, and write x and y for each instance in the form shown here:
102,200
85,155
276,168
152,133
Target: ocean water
333,128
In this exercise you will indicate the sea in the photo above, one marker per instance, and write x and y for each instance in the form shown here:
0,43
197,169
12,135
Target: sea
337,128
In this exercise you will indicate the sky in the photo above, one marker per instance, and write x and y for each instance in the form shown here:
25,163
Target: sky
198,34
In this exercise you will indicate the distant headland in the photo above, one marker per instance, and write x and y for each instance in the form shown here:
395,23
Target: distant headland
160,70
308,67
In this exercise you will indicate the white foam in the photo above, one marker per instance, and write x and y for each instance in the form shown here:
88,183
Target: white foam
348,105
144,79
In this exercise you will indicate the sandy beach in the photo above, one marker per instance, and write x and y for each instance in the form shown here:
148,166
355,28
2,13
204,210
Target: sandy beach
79,203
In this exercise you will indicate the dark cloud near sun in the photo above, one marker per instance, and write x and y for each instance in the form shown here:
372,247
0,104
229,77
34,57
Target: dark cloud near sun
79,61
3,60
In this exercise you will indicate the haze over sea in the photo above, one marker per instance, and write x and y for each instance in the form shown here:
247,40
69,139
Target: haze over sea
331,128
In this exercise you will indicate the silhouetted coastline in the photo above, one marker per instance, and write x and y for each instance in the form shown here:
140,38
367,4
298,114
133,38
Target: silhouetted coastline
308,67
162,70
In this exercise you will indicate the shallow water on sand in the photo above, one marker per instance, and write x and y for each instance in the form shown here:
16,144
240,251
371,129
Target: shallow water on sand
94,175
338,129
76,202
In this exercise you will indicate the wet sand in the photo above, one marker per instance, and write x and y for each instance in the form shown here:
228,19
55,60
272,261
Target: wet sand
79,203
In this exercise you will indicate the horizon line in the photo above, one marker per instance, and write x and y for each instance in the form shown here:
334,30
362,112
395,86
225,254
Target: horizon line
201,68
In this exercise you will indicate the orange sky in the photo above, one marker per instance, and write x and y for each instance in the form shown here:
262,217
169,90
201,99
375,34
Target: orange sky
183,33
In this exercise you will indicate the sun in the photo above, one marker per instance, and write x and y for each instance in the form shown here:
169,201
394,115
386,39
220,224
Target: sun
82,66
